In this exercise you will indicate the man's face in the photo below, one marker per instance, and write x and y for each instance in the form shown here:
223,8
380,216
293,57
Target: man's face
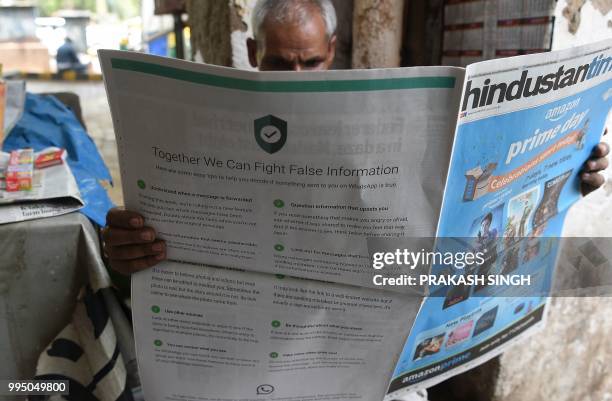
292,47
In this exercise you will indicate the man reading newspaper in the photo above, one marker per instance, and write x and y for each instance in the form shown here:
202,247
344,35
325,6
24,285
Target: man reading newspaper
290,35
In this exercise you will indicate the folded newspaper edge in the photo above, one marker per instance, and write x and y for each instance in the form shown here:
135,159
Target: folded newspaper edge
54,192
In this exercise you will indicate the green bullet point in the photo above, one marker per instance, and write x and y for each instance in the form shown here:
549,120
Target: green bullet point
155,309
273,355
276,323
279,203
158,343
141,184
279,247
280,276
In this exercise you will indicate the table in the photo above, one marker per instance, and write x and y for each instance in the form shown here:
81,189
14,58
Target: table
41,272
43,265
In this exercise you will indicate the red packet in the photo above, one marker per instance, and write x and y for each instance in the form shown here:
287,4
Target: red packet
48,159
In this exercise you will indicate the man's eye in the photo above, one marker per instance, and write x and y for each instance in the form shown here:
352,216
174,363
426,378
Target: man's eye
312,63
276,64
280,64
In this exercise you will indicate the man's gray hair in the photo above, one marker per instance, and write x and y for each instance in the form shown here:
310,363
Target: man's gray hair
294,11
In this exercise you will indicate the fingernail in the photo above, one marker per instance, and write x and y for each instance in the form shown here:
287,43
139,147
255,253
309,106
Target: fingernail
160,256
586,175
135,222
158,247
147,236
592,165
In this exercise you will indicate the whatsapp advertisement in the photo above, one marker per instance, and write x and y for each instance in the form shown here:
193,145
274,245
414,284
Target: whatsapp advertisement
285,177
233,335
263,172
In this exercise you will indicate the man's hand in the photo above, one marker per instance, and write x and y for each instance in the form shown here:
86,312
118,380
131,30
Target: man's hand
129,244
591,179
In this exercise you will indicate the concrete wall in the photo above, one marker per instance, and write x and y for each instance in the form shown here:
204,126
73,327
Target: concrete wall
571,359
581,21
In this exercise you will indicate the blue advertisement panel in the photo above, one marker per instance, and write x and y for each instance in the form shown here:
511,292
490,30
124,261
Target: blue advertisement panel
511,180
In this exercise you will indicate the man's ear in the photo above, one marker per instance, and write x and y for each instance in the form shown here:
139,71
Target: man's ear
252,49
331,51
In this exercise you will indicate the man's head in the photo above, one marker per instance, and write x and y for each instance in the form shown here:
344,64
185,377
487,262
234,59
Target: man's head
293,35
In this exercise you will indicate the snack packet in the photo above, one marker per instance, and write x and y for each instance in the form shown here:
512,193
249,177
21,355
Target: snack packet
20,170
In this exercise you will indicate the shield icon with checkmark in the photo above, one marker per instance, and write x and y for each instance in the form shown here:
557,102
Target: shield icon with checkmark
271,133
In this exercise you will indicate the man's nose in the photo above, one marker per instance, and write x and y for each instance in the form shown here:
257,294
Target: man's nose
297,67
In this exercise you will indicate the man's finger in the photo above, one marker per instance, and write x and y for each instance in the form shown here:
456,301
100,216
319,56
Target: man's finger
121,218
130,252
596,165
118,236
601,150
128,267
593,179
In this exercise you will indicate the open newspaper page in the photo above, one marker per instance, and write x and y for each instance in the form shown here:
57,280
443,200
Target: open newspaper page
282,174
53,190
207,333
526,127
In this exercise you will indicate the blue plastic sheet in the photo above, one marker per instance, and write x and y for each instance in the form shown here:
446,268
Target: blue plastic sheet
47,122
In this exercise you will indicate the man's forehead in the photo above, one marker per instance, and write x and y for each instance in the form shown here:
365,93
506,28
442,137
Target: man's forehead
294,35
293,13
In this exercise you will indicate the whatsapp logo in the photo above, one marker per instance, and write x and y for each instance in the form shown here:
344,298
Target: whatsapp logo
264,389
270,133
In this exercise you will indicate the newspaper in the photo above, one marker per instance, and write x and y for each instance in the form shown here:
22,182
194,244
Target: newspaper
54,192
283,184
215,334
526,126
277,172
